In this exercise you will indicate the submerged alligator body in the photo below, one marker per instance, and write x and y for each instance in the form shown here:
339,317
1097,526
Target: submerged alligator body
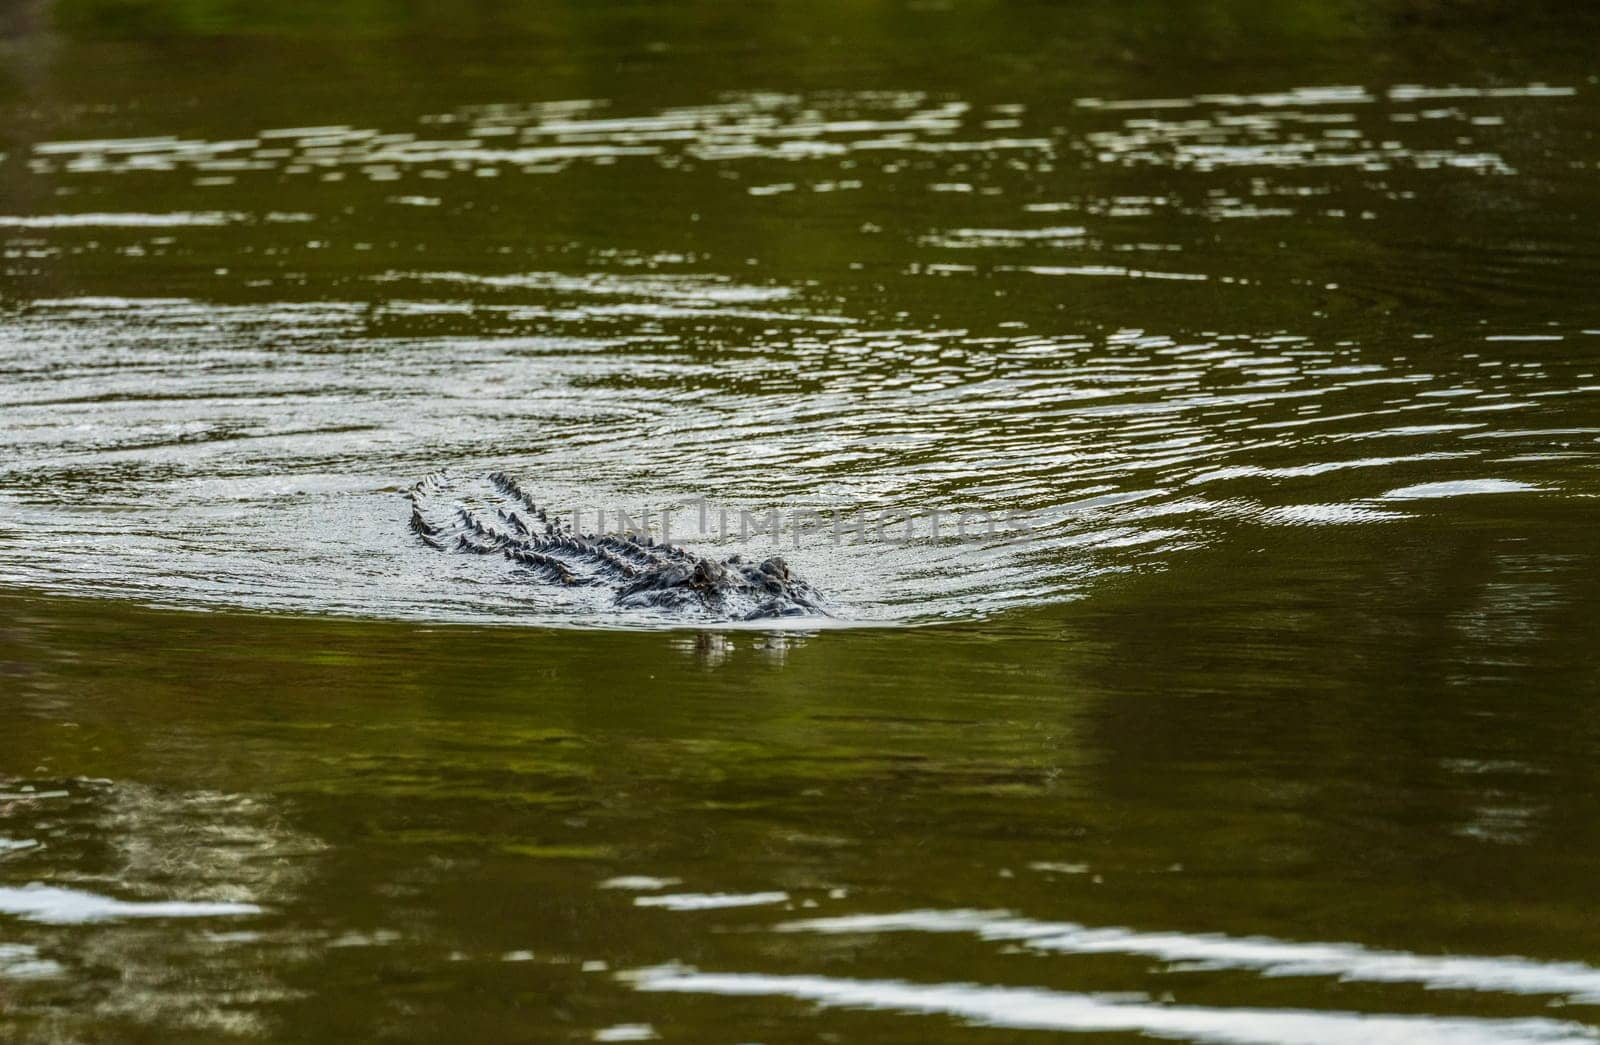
494,516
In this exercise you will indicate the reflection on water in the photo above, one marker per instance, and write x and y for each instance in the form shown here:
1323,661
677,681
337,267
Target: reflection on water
41,903
20,962
1261,815
103,872
1032,1009
1269,957
1183,955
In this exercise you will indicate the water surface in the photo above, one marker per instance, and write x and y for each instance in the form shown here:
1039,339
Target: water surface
1263,716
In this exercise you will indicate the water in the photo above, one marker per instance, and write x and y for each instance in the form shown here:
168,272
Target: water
1258,716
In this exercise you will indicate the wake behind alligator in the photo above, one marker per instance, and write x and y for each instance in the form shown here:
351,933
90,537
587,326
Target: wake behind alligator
495,516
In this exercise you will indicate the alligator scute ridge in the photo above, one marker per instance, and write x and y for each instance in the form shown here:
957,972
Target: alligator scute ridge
501,518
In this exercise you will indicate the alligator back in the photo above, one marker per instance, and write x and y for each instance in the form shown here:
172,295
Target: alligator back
494,515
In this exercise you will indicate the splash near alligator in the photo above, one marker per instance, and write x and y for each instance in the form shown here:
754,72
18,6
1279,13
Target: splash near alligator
494,515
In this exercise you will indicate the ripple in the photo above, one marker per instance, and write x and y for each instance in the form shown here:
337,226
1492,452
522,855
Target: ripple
909,443
1022,1008
1274,958
20,961
550,136
51,905
1458,488
710,901
964,238
987,406
141,221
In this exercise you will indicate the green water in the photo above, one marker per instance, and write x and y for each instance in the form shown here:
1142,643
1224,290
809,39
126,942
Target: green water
1270,720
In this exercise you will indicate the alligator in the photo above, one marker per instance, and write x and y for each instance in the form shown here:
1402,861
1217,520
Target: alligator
496,516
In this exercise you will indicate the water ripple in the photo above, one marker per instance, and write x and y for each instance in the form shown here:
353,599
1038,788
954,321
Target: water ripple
1076,325
1345,962
1022,1008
